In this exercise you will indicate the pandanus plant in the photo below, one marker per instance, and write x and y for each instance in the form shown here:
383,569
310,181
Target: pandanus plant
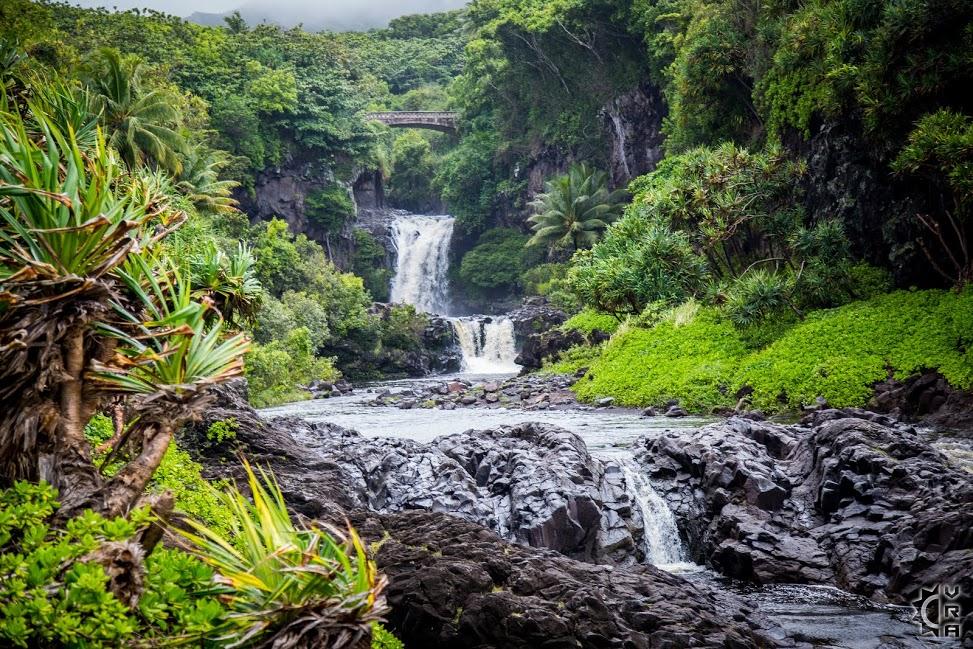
89,311
288,585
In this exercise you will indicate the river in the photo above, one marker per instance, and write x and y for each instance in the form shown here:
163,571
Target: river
827,616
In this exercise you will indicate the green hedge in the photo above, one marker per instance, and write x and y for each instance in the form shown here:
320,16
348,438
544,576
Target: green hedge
701,359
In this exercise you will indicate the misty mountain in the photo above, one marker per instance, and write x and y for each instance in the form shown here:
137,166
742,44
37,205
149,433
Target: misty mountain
332,16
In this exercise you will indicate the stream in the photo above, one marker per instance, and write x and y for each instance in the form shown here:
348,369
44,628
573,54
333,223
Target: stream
827,617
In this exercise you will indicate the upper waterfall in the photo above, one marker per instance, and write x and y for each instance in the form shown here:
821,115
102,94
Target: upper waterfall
422,261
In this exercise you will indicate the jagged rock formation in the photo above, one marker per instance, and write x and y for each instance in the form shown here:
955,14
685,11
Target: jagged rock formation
456,585
852,499
453,582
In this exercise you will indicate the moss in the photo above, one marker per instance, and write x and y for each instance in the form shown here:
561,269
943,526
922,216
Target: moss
573,360
383,639
701,359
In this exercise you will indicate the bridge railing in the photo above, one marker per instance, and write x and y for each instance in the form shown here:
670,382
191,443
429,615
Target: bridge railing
413,115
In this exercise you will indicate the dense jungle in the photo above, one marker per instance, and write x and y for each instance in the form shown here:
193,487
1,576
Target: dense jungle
564,323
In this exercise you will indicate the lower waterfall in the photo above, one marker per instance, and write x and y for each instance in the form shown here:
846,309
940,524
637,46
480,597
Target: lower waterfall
488,344
660,541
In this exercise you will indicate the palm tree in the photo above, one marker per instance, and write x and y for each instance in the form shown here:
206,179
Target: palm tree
199,180
140,123
574,210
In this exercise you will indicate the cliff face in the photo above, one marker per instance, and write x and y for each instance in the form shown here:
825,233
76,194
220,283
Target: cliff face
633,129
282,192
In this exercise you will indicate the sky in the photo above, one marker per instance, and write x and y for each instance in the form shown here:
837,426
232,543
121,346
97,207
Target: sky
337,14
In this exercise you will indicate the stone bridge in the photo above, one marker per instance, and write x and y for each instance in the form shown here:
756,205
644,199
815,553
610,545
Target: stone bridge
444,121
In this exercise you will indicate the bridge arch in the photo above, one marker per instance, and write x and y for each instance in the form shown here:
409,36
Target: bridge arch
444,121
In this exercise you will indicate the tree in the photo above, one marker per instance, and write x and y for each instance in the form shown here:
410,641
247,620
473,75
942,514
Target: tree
90,310
574,210
199,180
140,122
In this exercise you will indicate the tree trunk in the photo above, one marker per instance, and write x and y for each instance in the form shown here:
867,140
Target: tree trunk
70,469
125,488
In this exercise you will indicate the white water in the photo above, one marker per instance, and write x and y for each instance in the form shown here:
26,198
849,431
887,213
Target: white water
422,261
421,279
661,543
488,344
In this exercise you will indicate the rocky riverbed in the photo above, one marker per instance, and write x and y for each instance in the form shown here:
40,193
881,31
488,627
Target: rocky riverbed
531,392
518,536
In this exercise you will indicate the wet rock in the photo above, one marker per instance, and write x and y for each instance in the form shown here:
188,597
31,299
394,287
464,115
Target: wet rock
650,412
676,411
604,403
455,585
850,497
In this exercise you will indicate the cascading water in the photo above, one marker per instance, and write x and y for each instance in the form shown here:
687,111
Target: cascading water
422,261
488,344
660,540
421,279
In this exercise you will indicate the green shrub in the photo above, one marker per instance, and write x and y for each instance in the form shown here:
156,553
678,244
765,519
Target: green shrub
496,262
221,430
403,327
383,639
550,280
368,262
182,475
329,208
689,357
590,320
276,371
53,591
695,355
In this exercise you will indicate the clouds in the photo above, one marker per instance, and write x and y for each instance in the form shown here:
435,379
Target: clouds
314,14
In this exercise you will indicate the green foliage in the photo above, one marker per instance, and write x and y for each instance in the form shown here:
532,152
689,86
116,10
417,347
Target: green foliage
276,371
467,181
403,326
573,360
574,210
54,590
368,262
287,581
330,208
550,280
722,224
940,152
182,475
836,353
691,355
840,353
413,168
222,430
588,321
495,263
382,638
639,262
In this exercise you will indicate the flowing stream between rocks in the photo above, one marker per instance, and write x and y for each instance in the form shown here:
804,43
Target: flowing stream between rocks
823,616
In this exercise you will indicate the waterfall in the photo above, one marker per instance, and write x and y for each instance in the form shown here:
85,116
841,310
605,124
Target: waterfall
488,344
421,273
660,541
422,261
